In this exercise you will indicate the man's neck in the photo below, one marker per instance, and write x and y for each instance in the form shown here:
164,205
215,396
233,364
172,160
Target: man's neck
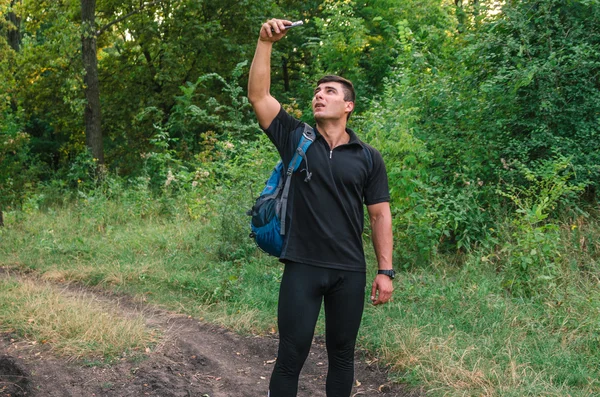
334,132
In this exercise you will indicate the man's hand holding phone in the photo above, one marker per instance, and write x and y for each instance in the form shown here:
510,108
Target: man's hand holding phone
274,29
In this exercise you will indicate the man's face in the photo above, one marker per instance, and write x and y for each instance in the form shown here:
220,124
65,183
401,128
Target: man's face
328,102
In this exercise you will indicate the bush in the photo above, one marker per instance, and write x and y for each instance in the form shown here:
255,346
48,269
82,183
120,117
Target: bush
431,212
524,88
19,171
531,253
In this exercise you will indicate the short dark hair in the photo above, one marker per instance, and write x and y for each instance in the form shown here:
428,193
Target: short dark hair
349,94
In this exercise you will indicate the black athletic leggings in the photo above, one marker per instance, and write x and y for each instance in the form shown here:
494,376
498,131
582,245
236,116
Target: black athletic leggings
302,290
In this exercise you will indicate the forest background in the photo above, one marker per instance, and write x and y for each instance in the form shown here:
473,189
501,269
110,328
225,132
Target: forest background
124,125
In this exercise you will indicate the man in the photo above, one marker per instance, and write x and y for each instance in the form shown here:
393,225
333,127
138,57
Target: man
323,252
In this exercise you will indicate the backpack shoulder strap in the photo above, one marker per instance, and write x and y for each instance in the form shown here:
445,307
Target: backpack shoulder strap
307,138
369,158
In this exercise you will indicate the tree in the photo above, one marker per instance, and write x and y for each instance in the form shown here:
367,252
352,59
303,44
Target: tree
14,27
153,54
537,66
92,112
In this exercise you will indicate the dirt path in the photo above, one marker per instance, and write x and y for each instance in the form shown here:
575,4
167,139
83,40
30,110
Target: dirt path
194,359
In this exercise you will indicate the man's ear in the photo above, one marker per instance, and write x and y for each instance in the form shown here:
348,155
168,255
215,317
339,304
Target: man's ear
349,106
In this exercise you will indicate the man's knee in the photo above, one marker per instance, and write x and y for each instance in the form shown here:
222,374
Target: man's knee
341,354
292,355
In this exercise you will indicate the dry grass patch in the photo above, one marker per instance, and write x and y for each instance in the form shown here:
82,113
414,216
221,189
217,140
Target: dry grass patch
56,275
246,320
73,324
448,369
439,360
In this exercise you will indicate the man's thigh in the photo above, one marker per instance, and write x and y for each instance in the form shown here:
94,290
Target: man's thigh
344,307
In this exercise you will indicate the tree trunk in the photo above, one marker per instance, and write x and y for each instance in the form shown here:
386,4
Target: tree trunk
89,34
92,115
1,218
286,76
14,32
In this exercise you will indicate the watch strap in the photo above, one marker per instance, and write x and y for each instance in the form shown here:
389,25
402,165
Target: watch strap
390,273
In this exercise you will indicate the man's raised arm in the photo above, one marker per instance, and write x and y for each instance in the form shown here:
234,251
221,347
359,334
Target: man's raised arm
259,82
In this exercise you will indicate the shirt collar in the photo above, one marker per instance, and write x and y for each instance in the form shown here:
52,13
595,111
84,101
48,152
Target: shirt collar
353,137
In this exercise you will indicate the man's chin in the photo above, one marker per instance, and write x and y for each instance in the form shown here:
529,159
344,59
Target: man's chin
318,116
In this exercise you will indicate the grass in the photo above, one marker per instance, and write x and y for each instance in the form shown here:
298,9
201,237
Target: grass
171,259
463,335
453,329
73,324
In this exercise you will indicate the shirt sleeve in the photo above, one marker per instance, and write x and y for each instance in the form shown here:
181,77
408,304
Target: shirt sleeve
376,189
282,133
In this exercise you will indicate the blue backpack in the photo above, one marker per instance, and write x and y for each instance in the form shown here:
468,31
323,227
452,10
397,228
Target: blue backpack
270,208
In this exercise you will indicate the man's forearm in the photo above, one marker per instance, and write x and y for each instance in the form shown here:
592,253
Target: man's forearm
259,80
383,241
381,225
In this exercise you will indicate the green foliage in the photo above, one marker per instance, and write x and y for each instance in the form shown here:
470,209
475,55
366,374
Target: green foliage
228,118
83,172
387,126
49,80
241,179
343,40
534,70
531,256
195,140
161,164
453,95
18,167
557,90
151,55
512,86
486,116
7,70
431,213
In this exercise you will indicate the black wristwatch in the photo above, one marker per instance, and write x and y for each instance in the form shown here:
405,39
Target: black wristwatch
390,273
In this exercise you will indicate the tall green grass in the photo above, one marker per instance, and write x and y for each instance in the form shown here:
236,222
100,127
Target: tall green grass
456,329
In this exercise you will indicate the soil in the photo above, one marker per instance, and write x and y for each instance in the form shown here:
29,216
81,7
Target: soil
193,359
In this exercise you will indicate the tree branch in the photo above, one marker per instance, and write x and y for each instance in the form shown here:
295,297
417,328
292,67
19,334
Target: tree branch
108,25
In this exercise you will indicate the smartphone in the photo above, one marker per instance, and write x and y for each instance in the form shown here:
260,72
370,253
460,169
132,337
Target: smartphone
294,24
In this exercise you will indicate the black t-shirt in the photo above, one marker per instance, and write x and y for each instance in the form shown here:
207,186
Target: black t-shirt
325,216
